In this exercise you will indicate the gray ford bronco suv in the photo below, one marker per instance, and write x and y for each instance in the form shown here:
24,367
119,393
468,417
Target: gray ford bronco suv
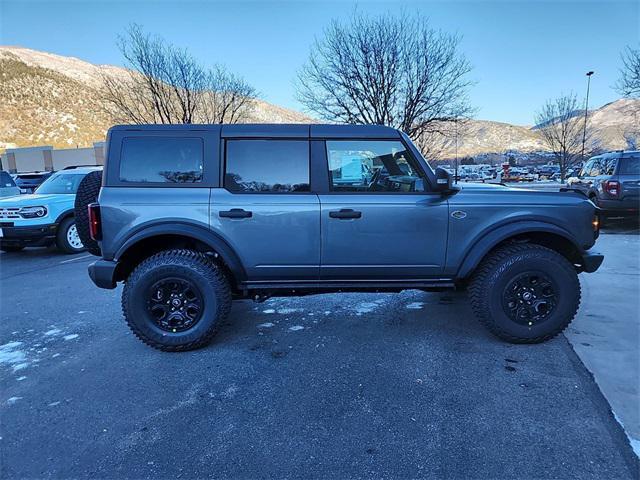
191,217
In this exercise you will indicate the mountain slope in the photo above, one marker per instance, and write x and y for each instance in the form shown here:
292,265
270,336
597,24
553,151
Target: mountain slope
48,99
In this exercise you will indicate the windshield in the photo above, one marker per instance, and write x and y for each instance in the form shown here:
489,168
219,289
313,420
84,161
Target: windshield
61,184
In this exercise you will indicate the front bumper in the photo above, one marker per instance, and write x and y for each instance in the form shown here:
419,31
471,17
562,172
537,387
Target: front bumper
591,261
103,273
25,236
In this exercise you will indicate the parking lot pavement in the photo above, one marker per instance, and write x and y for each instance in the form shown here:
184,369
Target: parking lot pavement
356,385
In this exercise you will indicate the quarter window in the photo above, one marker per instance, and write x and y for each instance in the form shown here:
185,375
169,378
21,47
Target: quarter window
372,166
161,160
267,166
630,166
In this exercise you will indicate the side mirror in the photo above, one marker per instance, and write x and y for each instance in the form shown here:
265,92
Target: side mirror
443,180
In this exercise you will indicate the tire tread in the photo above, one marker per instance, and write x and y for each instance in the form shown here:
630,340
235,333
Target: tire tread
190,259
479,286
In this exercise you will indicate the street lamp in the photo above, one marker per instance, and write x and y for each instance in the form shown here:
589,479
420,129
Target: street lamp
586,110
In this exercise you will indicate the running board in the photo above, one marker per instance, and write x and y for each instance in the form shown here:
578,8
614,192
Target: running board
353,285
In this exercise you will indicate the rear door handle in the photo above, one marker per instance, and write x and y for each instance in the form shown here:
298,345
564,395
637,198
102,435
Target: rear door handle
235,213
345,213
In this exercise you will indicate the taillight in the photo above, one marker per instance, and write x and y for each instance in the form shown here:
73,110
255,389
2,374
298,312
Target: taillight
612,187
95,224
595,223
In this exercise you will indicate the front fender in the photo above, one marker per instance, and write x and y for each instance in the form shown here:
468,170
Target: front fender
487,241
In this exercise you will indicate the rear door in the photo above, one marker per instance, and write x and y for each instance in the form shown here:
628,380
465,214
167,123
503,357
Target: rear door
378,219
265,209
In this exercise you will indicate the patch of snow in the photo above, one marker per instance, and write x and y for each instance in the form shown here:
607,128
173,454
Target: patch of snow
265,325
10,354
53,331
287,311
365,307
21,378
635,444
71,337
269,310
415,306
296,328
53,404
12,400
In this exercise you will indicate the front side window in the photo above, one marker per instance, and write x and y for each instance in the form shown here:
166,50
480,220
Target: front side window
63,183
267,166
372,166
161,160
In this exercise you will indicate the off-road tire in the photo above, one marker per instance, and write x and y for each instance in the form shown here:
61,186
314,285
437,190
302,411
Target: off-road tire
502,265
62,242
192,266
88,191
11,249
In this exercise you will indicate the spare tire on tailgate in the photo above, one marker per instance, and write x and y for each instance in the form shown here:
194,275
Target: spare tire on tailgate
88,191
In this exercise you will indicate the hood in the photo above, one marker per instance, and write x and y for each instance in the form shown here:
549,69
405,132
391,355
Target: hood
487,193
34,199
483,186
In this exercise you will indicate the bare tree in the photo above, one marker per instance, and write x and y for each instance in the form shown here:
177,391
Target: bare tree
387,70
228,98
628,85
561,124
165,84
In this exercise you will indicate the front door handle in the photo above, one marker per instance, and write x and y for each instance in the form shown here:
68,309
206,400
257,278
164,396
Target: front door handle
345,213
235,213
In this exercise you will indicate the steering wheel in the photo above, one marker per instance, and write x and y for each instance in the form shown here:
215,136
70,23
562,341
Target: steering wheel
374,179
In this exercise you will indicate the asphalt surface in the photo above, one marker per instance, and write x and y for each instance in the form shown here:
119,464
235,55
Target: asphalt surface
352,385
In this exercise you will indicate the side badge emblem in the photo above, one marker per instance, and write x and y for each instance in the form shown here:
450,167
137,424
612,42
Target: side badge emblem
458,214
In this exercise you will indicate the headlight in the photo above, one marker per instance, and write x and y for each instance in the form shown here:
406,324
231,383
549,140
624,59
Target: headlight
33,212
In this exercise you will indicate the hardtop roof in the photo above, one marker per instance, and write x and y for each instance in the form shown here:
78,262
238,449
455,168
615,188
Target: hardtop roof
275,130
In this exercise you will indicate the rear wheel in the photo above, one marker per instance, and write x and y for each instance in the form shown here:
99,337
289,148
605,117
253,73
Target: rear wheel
67,238
88,191
525,293
175,300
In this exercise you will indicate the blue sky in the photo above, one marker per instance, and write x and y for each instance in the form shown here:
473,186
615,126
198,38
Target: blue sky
523,52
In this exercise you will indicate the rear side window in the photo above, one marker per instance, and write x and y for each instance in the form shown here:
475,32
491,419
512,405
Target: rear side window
267,166
161,160
630,166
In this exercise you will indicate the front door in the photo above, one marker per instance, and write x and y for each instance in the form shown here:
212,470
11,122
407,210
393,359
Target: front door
266,211
378,222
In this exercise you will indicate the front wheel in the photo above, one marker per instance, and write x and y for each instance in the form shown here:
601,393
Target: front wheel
67,238
175,300
525,293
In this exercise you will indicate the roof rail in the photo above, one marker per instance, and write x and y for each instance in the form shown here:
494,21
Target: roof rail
71,167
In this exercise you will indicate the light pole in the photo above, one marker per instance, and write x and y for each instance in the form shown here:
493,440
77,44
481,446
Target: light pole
586,110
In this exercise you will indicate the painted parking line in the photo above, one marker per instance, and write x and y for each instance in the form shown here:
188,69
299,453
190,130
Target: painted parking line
77,258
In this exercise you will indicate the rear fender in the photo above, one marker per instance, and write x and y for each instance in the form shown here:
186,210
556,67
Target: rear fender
208,237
